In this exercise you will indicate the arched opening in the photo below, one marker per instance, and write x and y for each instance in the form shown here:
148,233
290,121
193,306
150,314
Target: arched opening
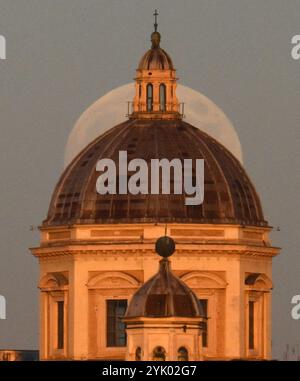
183,354
138,354
162,97
149,97
159,354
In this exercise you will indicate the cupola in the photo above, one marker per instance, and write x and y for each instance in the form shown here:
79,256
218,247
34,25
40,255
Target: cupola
164,319
155,83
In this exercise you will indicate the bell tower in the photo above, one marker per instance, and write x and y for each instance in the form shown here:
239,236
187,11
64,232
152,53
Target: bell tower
155,83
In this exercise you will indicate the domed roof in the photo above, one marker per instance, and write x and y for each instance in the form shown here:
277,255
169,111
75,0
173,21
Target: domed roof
164,295
156,58
229,196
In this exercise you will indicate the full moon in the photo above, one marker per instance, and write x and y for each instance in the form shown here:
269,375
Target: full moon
110,110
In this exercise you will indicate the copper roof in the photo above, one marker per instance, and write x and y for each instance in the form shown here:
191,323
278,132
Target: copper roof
164,295
229,196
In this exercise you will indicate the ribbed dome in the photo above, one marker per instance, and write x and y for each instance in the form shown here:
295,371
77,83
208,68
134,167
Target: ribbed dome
164,295
229,196
156,58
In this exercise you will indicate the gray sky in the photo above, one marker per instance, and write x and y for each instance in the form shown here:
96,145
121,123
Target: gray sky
64,54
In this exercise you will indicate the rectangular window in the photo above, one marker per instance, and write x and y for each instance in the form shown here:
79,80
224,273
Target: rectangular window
115,328
60,325
204,308
251,324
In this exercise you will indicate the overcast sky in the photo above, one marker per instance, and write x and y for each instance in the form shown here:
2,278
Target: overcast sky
62,55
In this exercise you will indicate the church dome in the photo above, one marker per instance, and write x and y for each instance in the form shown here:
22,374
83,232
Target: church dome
155,130
156,58
229,196
164,295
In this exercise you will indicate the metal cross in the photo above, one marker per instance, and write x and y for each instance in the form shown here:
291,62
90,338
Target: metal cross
155,14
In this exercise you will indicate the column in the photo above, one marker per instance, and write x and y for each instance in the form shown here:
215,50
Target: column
78,312
235,312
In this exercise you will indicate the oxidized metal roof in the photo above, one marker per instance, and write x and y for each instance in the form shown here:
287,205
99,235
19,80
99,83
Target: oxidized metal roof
164,295
229,196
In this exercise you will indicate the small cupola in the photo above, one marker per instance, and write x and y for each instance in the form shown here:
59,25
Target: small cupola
155,83
164,317
165,294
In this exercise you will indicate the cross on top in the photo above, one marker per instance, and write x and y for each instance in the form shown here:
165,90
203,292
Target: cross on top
155,14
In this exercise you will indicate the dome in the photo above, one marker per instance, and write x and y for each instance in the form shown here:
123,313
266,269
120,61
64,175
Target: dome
229,196
156,58
164,295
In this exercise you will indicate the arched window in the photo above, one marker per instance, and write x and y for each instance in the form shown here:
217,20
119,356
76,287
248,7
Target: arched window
140,91
162,97
149,97
183,354
159,354
138,354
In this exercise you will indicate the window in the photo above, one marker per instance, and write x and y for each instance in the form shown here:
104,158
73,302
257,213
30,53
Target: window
162,97
159,354
183,354
204,308
116,335
149,97
60,324
138,354
251,324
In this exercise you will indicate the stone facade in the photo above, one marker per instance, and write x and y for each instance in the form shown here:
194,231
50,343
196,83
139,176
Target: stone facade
85,266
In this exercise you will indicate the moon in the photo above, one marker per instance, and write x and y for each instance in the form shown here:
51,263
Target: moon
110,110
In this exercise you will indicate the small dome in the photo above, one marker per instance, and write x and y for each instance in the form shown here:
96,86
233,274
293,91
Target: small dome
156,59
164,295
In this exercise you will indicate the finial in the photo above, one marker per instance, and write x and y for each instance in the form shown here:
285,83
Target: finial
155,14
165,246
155,36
